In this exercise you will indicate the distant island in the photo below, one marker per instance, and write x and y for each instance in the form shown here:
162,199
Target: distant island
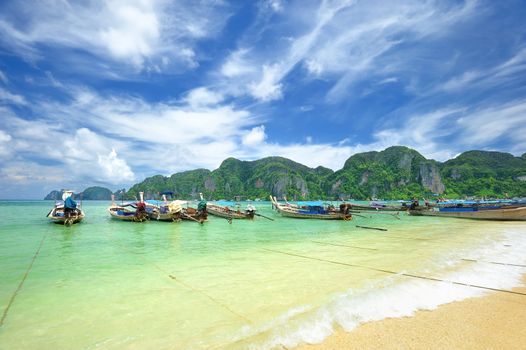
90,193
397,172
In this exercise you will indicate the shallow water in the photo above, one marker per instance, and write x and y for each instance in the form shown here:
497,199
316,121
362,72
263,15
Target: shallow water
257,284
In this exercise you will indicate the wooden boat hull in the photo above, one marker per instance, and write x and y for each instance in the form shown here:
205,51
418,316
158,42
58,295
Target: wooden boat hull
293,211
56,215
174,217
194,215
297,215
122,214
222,212
511,214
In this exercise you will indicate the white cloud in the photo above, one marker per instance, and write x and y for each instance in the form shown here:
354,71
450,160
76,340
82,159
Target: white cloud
141,34
134,32
4,137
114,168
4,142
3,78
54,82
7,97
82,153
236,64
341,41
388,81
275,5
255,136
268,88
508,71
487,125
203,97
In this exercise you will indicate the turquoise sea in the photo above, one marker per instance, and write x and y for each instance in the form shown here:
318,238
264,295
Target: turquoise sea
105,284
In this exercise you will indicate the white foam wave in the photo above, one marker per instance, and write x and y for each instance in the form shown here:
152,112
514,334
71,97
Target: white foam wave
399,296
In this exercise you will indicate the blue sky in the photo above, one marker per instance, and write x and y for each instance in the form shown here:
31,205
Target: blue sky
109,92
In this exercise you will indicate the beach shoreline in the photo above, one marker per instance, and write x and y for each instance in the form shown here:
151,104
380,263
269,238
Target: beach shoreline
493,321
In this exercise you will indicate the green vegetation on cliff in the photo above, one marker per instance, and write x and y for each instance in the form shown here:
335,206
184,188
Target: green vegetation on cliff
395,173
248,179
485,174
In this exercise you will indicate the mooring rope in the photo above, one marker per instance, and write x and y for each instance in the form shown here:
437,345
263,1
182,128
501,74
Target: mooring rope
494,262
376,249
13,297
396,273
185,285
372,228
216,301
344,245
411,238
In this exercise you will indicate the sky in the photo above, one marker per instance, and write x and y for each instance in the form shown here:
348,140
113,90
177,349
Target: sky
109,92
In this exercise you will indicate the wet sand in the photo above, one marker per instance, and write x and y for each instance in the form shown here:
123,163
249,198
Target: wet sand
494,321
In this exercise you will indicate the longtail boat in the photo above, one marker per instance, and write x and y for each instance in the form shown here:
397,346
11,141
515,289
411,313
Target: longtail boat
135,211
231,213
312,211
504,213
60,215
199,215
166,210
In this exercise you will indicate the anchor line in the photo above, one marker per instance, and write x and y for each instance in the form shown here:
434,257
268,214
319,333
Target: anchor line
21,284
187,286
397,273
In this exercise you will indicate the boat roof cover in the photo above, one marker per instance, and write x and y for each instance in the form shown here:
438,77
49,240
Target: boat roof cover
66,194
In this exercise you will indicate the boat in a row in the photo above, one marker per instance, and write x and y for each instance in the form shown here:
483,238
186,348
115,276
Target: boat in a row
157,210
230,213
312,210
478,210
66,212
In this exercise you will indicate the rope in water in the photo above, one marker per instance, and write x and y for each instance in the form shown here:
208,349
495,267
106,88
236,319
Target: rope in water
396,273
372,228
494,262
185,285
425,239
13,297
344,245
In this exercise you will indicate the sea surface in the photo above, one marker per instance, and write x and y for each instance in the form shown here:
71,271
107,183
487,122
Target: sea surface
262,284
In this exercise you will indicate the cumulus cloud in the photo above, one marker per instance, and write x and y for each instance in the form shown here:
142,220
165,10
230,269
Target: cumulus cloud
202,96
268,88
255,136
114,168
134,32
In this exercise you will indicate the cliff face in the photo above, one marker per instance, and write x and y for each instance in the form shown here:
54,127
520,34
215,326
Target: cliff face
430,178
54,195
394,173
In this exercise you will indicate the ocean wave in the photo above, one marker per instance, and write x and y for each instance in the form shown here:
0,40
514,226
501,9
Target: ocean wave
492,265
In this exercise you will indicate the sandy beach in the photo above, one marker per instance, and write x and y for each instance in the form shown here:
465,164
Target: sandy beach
495,321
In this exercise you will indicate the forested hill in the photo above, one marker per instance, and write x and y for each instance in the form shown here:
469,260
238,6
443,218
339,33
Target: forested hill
90,193
395,173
